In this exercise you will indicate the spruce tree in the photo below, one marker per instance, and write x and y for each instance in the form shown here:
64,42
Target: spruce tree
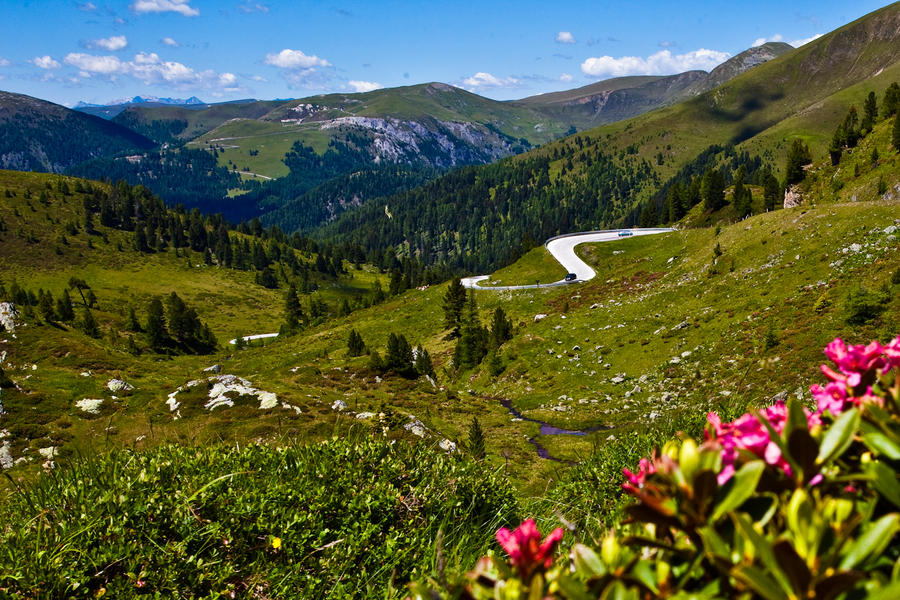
798,157
891,102
473,342
741,196
454,301
424,365
870,113
157,335
293,314
355,344
501,328
89,324
133,323
771,191
45,305
712,189
475,445
64,307
398,357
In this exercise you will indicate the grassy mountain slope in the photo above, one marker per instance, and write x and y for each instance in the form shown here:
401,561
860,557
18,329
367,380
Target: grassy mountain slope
625,97
41,136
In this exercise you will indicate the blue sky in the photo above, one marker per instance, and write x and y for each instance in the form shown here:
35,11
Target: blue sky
98,51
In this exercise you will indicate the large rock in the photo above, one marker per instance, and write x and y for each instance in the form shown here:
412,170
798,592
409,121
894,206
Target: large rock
118,386
792,197
9,316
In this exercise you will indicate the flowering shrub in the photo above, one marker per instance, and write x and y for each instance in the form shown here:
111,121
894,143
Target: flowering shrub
782,503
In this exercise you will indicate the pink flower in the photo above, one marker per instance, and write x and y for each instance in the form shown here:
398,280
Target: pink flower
832,398
526,552
854,361
645,469
892,354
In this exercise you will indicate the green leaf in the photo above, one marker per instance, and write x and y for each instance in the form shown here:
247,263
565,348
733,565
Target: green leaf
572,588
874,541
759,581
764,551
739,488
884,479
882,444
587,562
796,417
839,436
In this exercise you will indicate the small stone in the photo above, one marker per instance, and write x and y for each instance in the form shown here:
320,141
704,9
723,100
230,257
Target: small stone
118,386
213,369
339,405
539,317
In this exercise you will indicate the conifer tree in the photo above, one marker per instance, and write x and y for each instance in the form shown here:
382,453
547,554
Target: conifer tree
712,189
454,301
91,299
798,157
45,306
375,362
870,113
473,342
501,328
64,307
398,357
133,323
741,197
424,366
475,445
355,344
891,102
293,314
157,335
89,324
771,191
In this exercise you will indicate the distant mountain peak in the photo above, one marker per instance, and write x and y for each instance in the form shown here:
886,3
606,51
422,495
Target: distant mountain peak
193,100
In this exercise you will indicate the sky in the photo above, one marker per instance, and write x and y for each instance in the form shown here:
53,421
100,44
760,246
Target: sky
99,51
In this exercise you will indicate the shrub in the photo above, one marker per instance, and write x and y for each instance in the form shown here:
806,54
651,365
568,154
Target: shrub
863,305
780,503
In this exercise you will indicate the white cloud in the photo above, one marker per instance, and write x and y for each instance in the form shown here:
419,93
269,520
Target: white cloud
113,43
259,78
150,69
364,86
4,62
760,41
295,59
565,37
661,63
45,62
566,78
249,7
87,6
803,42
181,7
486,80
169,42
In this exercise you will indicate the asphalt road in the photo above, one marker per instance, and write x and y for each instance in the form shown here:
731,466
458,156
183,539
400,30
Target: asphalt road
562,248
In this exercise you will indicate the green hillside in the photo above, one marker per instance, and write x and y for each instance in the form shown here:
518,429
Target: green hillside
36,135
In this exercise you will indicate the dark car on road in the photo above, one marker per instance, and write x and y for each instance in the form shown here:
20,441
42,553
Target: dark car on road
571,277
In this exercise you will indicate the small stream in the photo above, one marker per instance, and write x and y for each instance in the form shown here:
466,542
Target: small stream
547,429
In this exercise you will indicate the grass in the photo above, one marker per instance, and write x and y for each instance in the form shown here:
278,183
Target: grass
537,265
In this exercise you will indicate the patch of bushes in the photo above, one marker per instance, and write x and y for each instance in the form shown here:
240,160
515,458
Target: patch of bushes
863,305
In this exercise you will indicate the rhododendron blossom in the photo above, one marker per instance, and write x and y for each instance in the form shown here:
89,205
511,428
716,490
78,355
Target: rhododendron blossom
525,549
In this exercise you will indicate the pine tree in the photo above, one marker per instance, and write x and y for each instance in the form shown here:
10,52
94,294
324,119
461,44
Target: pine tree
454,301
475,445
398,357
424,366
375,362
501,328
355,344
870,113
293,314
473,342
64,307
91,299
45,306
798,157
771,191
712,189
88,324
836,148
891,102
741,196
157,335
133,324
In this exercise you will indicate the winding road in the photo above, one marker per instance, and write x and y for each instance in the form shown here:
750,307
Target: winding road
562,248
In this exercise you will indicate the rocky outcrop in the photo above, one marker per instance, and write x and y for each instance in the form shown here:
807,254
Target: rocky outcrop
792,197
9,316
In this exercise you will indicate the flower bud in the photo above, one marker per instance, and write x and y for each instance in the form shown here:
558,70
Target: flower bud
689,458
610,550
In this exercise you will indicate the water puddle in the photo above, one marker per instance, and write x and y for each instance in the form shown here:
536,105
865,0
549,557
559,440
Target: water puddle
547,429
